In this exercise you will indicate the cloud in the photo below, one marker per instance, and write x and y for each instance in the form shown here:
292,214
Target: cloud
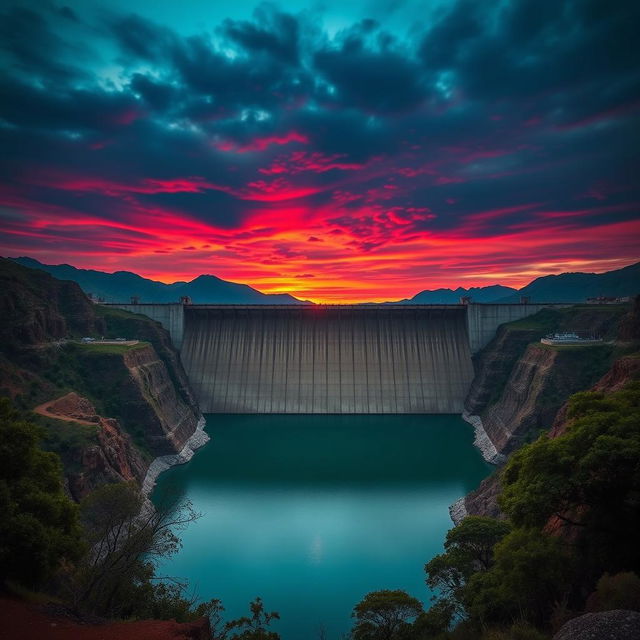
271,32
486,139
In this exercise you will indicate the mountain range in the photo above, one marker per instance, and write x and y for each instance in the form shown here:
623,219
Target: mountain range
208,289
122,285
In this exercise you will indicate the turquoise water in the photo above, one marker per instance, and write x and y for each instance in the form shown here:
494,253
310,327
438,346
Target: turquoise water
312,512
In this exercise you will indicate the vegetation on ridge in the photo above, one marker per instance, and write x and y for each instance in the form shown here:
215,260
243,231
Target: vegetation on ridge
573,504
98,557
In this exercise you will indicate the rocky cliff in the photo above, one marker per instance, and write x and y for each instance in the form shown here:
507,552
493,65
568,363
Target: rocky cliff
106,455
521,386
540,382
484,500
154,402
140,385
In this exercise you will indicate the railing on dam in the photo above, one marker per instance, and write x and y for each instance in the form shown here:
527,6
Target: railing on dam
311,359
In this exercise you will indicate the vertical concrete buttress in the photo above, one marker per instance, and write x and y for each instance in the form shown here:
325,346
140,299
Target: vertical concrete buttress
328,359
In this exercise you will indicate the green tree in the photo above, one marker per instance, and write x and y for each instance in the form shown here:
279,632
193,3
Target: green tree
126,537
435,621
39,524
385,615
587,480
531,571
255,626
468,549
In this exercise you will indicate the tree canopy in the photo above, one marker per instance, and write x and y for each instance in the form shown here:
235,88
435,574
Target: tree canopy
39,525
385,615
585,481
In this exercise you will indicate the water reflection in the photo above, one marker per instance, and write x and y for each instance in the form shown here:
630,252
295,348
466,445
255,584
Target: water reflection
312,512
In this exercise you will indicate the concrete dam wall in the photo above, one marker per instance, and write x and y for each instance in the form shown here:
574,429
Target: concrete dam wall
344,359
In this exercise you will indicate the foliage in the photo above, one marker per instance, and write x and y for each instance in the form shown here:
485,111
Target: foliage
126,537
531,571
468,549
385,615
255,626
435,621
573,502
39,524
620,591
587,480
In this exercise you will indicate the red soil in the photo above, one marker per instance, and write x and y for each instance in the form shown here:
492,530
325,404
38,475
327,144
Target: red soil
23,621
71,407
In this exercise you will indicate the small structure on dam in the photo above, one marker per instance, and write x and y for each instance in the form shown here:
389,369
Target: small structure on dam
312,359
331,358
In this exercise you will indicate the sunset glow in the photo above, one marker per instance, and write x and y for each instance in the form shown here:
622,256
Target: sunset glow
363,163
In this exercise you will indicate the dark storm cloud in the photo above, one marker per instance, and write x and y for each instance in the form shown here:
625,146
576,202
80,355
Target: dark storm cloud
143,39
368,72
30,45
272,32
26,105
489,106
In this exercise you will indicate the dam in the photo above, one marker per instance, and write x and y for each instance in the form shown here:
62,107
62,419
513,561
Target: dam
327,359
331,359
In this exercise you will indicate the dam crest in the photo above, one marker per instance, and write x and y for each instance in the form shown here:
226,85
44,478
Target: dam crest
331,358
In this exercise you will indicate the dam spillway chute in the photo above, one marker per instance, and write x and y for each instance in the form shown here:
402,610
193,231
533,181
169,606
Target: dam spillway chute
336,359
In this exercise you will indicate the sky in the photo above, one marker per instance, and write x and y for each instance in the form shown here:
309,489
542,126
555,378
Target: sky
338,151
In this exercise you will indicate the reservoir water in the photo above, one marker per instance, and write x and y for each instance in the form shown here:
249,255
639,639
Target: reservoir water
311,512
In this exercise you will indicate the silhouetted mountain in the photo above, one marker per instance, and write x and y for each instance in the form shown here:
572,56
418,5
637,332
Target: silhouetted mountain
577,287
121,285
208,289
452,296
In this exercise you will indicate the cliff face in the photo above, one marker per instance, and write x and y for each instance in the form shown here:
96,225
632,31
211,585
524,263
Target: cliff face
142,386
35,307
108,455
538,385
119,323
493,366
521,386
520,404
130,383
169,419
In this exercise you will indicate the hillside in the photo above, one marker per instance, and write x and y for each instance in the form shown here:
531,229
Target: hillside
136,393
209,289
521,386
577,287
122,285
452,296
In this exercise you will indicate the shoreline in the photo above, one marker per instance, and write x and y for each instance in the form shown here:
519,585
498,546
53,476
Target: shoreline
458,510
482,440
160,464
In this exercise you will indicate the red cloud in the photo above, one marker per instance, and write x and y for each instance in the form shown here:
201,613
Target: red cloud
300,161
260,144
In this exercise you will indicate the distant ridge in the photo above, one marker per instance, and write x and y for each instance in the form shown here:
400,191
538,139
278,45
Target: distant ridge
577,287
122,285
565,287
208,289
452,296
